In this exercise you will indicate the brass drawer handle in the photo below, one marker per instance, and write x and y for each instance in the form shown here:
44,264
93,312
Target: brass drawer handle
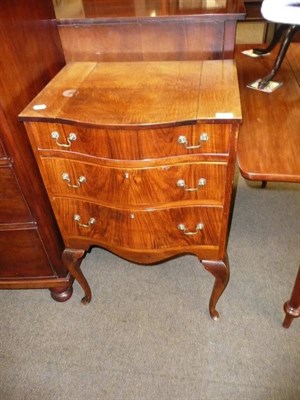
71,138
65,177
183,140
91,221
182,227
181,184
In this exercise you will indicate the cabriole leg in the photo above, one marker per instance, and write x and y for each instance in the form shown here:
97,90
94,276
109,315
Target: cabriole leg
220,270
71,259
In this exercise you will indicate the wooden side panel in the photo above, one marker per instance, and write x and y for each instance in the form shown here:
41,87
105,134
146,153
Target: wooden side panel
13,207
31,54
22,255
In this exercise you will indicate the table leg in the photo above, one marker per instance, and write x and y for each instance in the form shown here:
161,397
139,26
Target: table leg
292,307
264,184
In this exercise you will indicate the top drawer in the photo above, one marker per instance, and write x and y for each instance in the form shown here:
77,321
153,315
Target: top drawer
137,144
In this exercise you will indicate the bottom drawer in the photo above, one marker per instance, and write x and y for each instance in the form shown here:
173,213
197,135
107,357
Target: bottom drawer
139,229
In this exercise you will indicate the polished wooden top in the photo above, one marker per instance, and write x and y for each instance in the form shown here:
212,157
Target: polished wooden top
114,9
139,94
269,139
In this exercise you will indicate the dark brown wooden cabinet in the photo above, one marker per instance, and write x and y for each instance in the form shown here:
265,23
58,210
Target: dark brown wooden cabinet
30,243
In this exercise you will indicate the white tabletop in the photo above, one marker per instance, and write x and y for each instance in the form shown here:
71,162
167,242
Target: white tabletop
282,11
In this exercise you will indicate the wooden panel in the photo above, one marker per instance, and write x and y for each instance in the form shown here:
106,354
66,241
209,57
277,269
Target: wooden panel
101,42
150,42
22,256
182,41
156,30
94,8
219,97
118,84
293,56
31,55
13,208
121,9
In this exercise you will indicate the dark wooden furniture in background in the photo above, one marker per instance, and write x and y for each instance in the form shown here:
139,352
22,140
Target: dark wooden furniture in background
253,12
139,158
30,244
269,141
151,30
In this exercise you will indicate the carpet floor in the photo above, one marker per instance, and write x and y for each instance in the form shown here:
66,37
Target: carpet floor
147,333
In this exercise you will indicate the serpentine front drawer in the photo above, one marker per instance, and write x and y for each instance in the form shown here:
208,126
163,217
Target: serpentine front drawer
129,144
202,182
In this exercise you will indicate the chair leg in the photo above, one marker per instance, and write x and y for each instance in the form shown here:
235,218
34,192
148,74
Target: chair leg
276,38
282,51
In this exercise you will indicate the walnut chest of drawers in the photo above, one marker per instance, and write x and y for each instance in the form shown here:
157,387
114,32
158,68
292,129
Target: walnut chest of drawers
138,158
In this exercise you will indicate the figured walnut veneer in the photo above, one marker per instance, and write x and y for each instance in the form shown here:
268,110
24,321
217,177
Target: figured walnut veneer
138,158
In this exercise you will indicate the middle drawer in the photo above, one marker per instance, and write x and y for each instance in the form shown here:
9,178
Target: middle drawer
201,182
